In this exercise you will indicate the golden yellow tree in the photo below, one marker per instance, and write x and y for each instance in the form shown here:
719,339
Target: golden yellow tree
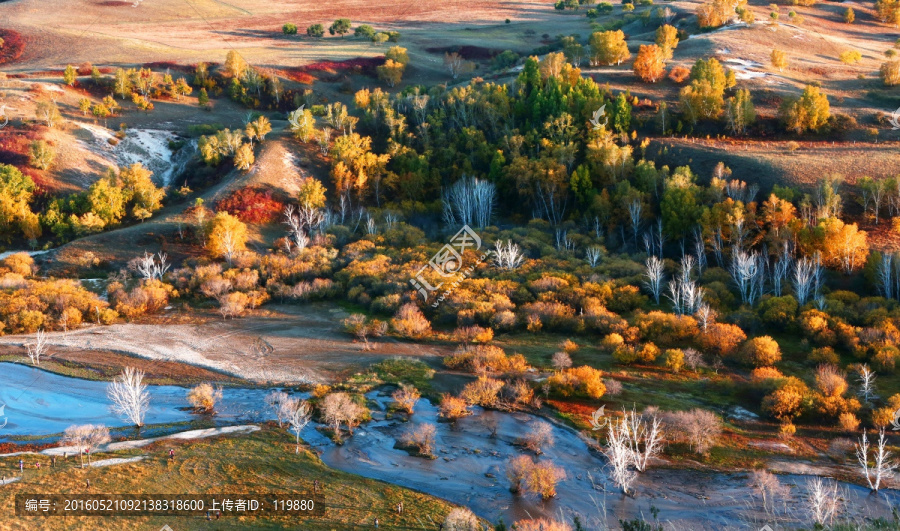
649,65
779,59
227,236
667,40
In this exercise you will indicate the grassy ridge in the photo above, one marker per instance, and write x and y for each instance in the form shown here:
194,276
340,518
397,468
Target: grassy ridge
258,463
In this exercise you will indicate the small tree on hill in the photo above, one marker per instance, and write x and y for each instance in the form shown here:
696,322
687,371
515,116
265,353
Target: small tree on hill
316,30
340,27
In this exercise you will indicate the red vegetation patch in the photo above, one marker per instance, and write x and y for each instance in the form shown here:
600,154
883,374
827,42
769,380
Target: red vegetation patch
15,144
331,70
13,46
11,447
251,205
580,412
467,52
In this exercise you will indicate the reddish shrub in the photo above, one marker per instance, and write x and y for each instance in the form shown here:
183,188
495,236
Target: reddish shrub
13,46
251,205
679,74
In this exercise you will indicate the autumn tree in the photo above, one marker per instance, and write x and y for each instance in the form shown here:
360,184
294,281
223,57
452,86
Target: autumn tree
453,407
786,402
406,397
650,63
849,15
70,75
716,13
227,236
457,64
667,40
141,194
398,54
739,112
41,154
842,245
258,129
808,112
16,216
311,194
203,397
779,59
235,65
850,57
391,72
244,157
704,98
609,47
107,200
761,351
48,112
890,73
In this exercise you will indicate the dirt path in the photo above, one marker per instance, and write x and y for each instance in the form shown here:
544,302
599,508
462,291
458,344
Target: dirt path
306,345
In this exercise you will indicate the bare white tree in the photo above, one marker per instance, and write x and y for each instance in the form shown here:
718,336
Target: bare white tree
883,466
705,315
700,428
768,487
824,500
645,438
655,275
229,245
86,438
867,384
692,358
539,437
146,266
618,452
39,348
747,273
298,414
803,279
561,360
275,401
780,272
129,395
593,254
507,256
339,409
469,201
635,209
887,275
461,519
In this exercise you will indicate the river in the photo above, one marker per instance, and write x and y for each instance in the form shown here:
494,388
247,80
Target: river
36,402
470,465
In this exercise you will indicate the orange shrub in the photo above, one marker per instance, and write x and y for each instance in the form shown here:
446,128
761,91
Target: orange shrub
722,339
584,381
679,74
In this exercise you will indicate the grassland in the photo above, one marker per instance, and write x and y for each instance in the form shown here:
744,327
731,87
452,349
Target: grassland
261,462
